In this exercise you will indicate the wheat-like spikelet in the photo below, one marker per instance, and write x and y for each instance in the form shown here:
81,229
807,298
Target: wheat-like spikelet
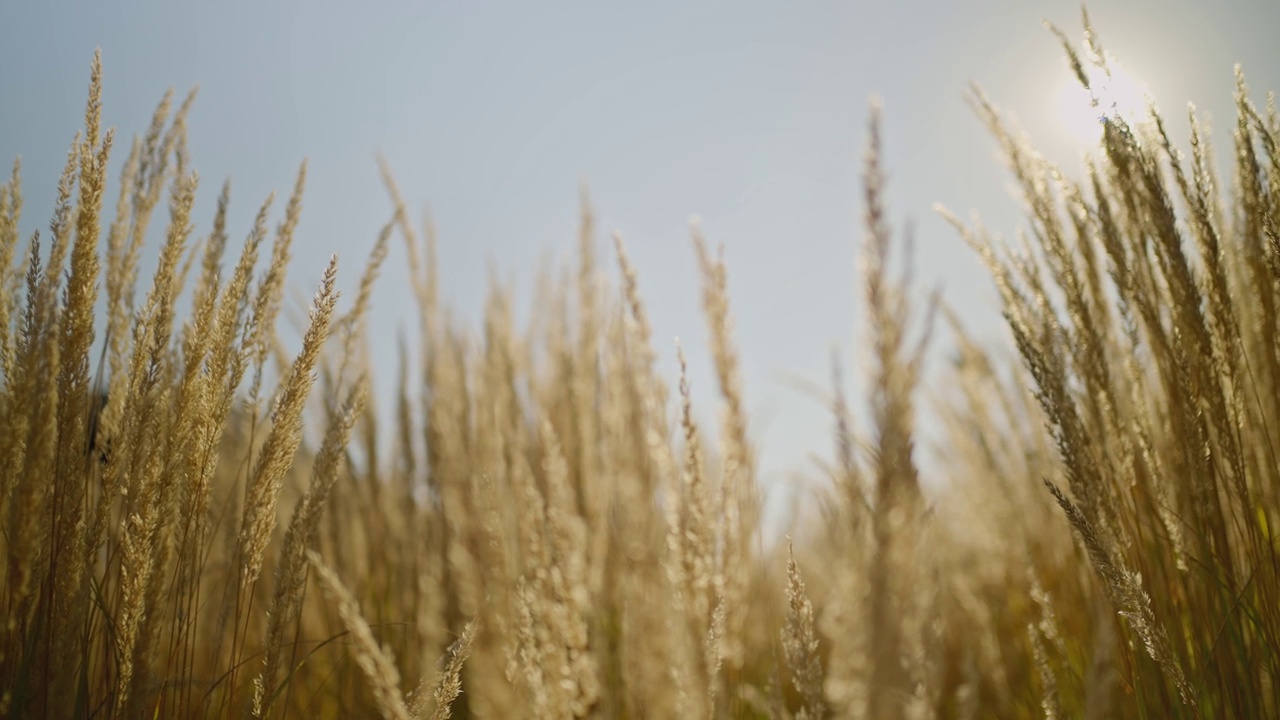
378,666
28,498
268,475
800,643
738,499
698,525
148,494
553,598
260,330
77,332
449,685
290,578
10,214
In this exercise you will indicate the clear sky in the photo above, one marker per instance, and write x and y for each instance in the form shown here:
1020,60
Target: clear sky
748,114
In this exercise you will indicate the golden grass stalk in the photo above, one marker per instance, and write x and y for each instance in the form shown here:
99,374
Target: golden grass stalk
800,643
449,685
290,578
374,660
277,453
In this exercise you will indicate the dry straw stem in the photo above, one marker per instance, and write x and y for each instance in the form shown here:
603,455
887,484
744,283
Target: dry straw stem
894,563
554,601
698,524
439,704
277,453
304,525
374,660
10,215
148,494
738,496
800,643
28,495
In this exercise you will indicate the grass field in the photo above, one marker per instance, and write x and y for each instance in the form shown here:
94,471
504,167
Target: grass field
553,534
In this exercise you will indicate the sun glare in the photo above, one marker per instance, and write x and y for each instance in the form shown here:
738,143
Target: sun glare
1115,94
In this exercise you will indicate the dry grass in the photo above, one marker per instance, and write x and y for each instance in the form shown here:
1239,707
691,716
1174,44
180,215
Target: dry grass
554,534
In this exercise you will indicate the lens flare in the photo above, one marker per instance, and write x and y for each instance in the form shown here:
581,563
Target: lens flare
1114,92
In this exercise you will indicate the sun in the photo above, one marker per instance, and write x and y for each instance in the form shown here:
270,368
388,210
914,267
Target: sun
1114,92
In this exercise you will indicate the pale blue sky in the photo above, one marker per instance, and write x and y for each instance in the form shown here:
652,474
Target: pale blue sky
748,114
